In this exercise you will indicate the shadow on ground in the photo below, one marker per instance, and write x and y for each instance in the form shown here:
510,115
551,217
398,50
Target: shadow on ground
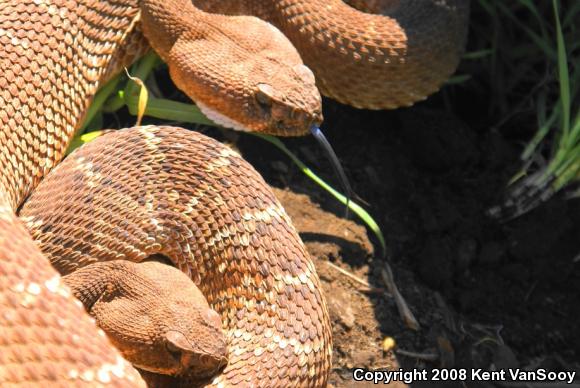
486,295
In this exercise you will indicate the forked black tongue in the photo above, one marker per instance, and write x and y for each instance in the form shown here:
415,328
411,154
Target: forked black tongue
336,166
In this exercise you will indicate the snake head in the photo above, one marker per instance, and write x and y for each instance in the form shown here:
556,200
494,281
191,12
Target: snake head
156,317
253,80
278,109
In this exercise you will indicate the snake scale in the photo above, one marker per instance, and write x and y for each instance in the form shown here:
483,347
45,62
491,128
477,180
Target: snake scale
160,190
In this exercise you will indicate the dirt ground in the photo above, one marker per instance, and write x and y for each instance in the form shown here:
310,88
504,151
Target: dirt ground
486,294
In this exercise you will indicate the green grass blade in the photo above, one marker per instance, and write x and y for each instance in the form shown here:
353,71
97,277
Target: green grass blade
529,4
478,54
575,129
142,69
544,44
82,139
540,133
568,169
571,15
354,207
564,78
114,102
98,102
458,79
161,108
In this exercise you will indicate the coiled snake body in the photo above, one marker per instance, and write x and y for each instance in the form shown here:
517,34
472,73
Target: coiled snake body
143,191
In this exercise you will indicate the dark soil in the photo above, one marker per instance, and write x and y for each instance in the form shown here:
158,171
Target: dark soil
486,294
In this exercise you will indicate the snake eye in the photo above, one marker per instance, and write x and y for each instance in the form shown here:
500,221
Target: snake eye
264,95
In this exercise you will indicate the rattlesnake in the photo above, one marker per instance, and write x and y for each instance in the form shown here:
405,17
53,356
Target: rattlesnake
151,190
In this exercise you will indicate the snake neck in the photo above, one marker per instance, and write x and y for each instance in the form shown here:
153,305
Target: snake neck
162,34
